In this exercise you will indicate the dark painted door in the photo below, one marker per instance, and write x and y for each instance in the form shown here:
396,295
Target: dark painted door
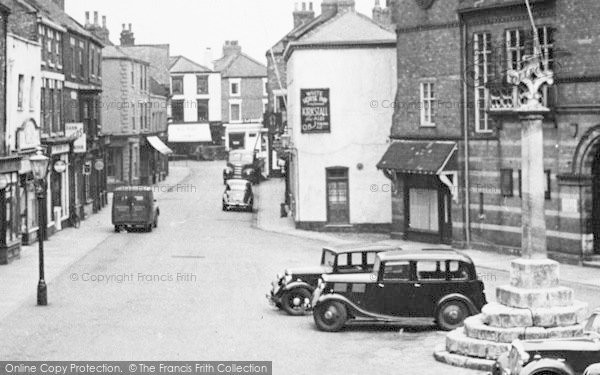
398,289
337,196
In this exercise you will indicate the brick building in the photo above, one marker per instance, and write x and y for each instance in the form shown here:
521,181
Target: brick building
453,120
135,113
244,99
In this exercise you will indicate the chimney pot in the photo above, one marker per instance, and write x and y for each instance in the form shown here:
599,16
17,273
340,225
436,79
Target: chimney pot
129,27
104,22
87,18
124,27
303,7
95,18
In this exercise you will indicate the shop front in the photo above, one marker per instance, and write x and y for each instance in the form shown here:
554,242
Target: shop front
153,154
425,177
10,233
27,142
58,201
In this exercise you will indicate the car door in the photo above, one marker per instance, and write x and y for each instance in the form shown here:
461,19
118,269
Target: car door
429,287
397,288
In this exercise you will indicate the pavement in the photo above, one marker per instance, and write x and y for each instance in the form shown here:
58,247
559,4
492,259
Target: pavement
18,280
270,194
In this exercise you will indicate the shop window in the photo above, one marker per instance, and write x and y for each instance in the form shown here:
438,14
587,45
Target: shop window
506,182
12,221
237,141
202,85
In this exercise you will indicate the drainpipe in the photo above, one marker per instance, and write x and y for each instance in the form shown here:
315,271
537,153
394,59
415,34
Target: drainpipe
465,120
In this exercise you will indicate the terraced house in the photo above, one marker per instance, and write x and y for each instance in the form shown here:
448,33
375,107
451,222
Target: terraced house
455,155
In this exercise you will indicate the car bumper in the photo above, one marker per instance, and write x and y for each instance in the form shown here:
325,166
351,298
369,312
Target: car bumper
237,204
274,296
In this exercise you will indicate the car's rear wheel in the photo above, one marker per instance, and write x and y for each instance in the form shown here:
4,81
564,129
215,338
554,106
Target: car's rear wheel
117,228
296,301
149,228
452,315
330,316
156,222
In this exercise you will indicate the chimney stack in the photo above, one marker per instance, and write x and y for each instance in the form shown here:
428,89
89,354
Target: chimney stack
304,15
231,47
127,37
383,16
99,31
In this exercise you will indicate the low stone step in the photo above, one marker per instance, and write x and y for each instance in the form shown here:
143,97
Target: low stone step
497,315
534,298
457,342
442,355
534,273
476,329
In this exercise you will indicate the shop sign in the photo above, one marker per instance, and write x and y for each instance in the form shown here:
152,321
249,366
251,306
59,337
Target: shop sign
60,166
87,168
60,149
75,129
99,165
28,136
314,111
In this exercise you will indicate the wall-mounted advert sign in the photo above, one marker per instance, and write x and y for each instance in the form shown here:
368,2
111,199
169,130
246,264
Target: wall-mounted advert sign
315,113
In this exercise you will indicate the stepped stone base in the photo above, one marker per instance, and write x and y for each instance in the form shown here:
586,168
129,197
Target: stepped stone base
497,315
534,298
453,359
475,328
459,343
534,273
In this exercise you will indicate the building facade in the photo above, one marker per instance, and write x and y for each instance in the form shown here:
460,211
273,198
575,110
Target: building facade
459,81
195,107
337,136
244,100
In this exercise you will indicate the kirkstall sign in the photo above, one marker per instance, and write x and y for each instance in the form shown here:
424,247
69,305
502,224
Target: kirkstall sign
315,114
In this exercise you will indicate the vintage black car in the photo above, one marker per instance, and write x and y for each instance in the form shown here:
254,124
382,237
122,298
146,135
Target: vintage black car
242,164
292,291
563,356
238,195
433,284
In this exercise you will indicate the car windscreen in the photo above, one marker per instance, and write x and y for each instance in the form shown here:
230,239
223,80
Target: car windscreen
328,258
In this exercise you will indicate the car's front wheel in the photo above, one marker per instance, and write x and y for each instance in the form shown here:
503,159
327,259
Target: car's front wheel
452,315
296,301
330,316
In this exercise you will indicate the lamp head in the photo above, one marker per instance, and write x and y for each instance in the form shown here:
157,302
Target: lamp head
39,165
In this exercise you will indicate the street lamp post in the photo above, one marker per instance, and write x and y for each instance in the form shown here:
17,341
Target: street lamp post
39,166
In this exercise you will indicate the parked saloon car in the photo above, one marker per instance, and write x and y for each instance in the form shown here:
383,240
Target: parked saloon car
238,195
292,291
433,284
134,207
242,164
564,356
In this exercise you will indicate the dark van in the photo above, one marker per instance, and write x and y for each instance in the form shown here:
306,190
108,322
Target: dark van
134,207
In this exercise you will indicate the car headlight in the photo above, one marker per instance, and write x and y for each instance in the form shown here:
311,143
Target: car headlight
288,279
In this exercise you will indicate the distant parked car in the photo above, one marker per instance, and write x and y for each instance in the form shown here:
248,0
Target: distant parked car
439,285
562,356
292,291
134,207
238,195
243,164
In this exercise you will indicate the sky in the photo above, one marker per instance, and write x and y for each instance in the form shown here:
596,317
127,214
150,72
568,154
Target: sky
190,26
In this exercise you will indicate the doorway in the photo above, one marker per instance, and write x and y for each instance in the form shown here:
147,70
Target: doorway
596,202
338,211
